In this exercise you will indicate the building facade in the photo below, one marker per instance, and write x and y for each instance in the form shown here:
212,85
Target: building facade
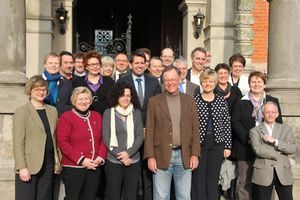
30,30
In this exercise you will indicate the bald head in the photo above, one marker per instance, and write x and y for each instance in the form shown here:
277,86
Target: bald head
167,56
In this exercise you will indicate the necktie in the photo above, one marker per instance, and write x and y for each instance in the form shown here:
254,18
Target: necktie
181,87
140,91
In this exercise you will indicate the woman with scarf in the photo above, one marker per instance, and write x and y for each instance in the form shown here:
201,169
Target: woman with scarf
123,135
59,88
247,113
224,88
231,95
79,137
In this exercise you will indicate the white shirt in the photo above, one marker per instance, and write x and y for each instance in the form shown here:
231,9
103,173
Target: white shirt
195,78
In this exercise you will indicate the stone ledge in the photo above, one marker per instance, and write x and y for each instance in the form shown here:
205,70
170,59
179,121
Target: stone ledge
11,98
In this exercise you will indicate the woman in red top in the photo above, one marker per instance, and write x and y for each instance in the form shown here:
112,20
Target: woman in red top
79,137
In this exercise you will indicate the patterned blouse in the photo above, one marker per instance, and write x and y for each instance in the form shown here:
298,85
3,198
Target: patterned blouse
220,117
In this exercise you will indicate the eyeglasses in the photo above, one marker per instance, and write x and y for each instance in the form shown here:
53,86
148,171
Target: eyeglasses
93,65
39,89
208,81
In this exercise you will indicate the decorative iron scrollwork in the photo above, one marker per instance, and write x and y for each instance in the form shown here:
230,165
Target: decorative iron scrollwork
106,44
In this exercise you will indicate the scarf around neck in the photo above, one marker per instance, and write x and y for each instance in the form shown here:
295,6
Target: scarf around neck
128,113
52,88
257,107
222,92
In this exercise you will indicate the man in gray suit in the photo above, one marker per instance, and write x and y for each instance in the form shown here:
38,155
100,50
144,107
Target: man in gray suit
185,86
272,143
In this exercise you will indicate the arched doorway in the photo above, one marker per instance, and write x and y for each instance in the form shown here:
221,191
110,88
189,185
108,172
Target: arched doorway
155,24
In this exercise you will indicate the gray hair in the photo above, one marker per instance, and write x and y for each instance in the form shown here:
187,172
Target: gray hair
272,103
180,60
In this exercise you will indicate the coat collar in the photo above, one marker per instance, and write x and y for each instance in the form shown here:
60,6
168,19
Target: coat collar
263,130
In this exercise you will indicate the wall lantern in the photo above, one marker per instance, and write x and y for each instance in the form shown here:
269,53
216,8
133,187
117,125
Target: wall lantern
198,23
61,16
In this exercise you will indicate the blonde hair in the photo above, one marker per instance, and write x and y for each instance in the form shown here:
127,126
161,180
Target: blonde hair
107,60
47,56
34,82
80,90
206,74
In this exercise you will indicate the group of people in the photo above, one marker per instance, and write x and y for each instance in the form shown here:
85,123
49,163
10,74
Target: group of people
101,123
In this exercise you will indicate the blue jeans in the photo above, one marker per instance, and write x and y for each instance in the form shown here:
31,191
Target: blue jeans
182,179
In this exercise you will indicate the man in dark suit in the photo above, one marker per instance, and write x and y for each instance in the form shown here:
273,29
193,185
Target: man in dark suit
66,60
272,143
122,67
155,68
172,138
185,86
198,56
145,87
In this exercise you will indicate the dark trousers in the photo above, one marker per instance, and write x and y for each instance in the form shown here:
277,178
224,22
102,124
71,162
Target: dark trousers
57,179
205,178
39,187
81,183
284,192
120,177
147,181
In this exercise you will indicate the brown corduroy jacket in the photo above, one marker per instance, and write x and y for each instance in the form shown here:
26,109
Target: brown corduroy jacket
158,136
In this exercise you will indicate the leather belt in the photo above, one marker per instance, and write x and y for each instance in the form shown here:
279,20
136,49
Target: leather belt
176,148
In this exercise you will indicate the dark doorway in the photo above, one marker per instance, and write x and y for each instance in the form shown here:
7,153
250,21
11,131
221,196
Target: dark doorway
155,23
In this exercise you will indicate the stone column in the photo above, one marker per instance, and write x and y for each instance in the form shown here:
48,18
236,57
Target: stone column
63,42
243,32
12,79
38,34
219,32
283,64
189,8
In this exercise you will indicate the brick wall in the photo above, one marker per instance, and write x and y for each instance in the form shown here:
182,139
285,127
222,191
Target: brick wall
260,28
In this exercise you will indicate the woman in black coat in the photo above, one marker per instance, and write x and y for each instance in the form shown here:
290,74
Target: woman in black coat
98,85
231,94
247,113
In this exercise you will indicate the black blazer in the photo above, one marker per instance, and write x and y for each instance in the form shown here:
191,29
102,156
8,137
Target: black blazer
188,75
65,90
242,121
99,97
152,88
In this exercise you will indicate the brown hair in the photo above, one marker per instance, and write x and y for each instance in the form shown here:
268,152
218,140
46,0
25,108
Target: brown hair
257,74
201,49
34,82
237,57
79,55
89,55
222,66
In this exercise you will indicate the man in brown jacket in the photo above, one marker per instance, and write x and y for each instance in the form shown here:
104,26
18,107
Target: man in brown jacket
172,143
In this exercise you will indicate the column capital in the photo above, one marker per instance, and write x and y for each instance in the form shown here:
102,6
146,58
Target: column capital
245,5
